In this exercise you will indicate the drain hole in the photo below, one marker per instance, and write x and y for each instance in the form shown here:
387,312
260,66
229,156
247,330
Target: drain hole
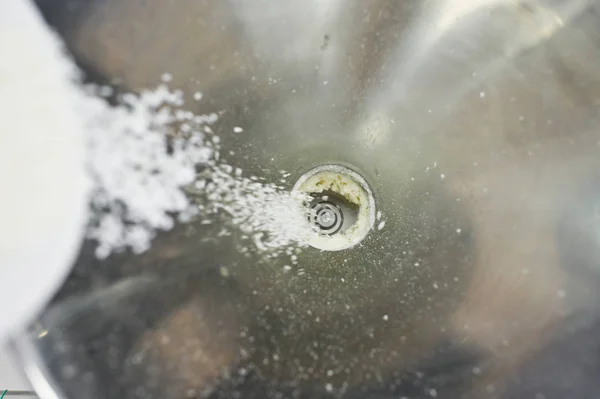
326,216
340,206
331,214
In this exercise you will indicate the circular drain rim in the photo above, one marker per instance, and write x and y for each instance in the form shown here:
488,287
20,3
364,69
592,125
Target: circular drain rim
362,197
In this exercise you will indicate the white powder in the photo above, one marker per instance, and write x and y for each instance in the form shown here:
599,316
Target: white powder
139,183
274,218
143,152
137,180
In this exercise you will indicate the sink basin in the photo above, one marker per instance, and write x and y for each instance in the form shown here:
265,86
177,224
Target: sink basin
475,125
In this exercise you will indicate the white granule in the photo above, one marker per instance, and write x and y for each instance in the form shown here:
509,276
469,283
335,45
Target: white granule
142,153
275,216
137,178
237,129
381,225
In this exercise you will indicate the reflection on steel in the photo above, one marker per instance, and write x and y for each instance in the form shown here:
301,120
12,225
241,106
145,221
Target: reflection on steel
475,124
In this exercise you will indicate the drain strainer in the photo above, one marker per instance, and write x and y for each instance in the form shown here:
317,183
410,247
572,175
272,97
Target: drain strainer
327,216
341,206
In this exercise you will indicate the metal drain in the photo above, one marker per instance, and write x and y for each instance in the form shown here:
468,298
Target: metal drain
326,216
342,208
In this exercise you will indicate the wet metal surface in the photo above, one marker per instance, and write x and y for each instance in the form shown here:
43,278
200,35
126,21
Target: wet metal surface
475,122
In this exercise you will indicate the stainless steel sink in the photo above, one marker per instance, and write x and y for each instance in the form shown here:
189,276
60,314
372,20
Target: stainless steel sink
475,123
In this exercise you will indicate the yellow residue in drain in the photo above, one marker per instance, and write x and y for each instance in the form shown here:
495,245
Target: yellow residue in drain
352,191
330,181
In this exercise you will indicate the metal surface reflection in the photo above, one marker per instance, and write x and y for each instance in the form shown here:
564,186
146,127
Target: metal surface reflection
476,125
